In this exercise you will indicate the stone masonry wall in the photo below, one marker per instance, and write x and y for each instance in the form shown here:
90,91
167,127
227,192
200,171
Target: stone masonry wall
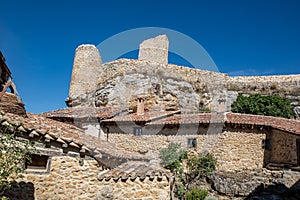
233,150
283,147
67,179
134,189
238,150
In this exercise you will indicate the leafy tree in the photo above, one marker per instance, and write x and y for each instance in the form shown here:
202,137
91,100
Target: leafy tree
200,165
14,152
172,156
186,167
263,105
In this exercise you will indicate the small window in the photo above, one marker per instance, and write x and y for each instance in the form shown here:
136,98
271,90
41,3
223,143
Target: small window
37,162
266,144
192,143
137,131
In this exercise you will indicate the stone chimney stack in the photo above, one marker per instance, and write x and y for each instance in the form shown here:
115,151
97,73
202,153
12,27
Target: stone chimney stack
155,49
140,106
86,72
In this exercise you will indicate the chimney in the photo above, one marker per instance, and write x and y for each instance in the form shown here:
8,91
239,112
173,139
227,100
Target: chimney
140,106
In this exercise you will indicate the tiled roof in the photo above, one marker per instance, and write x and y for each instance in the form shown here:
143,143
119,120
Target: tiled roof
134,169
83,112
35,125
202,118
147,117
289,125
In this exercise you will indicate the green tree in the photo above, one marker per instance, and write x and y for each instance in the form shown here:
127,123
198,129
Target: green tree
186,166
14,151
263,105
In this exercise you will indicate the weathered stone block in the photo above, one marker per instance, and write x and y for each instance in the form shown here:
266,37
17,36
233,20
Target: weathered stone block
155,49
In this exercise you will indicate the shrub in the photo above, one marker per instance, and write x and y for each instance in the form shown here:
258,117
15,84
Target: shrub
263,105
172,156
201,165
13,154
196,194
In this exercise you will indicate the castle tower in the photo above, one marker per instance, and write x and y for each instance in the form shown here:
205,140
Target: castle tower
86,72
155,49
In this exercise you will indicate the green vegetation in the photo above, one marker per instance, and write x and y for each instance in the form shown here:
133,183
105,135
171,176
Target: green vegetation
196,194
13,154
186,167
263,105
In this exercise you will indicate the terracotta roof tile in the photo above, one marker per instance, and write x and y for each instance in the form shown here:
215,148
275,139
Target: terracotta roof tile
83,112
107,153
134,169
192,118
147,117
289,125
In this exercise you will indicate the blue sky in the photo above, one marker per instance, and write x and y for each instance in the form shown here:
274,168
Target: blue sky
38,38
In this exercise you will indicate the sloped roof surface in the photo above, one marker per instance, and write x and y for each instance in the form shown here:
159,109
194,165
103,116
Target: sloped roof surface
134,169
83,112
105,152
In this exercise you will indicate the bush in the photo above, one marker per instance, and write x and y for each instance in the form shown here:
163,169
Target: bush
263,105
201,165
172,156
13,154
196,194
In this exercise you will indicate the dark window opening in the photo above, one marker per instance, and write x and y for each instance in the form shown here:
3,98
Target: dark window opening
137,131
266,144
37,162
192,143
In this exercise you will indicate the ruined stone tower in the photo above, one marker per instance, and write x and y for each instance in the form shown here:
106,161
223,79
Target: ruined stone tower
155,49
86,72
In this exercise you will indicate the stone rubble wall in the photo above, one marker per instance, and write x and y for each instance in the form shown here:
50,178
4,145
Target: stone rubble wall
67,179
239,150
134,189
233,150
283,147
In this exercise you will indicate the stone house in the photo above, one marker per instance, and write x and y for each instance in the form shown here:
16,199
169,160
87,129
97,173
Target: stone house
237,140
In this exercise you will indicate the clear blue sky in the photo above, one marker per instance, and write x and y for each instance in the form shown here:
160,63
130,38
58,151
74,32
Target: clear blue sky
38,38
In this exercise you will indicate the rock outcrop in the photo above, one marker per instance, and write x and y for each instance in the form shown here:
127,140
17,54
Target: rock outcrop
165,86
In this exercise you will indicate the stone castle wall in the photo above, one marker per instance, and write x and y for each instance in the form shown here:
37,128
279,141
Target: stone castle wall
287,86
174,87
165,86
